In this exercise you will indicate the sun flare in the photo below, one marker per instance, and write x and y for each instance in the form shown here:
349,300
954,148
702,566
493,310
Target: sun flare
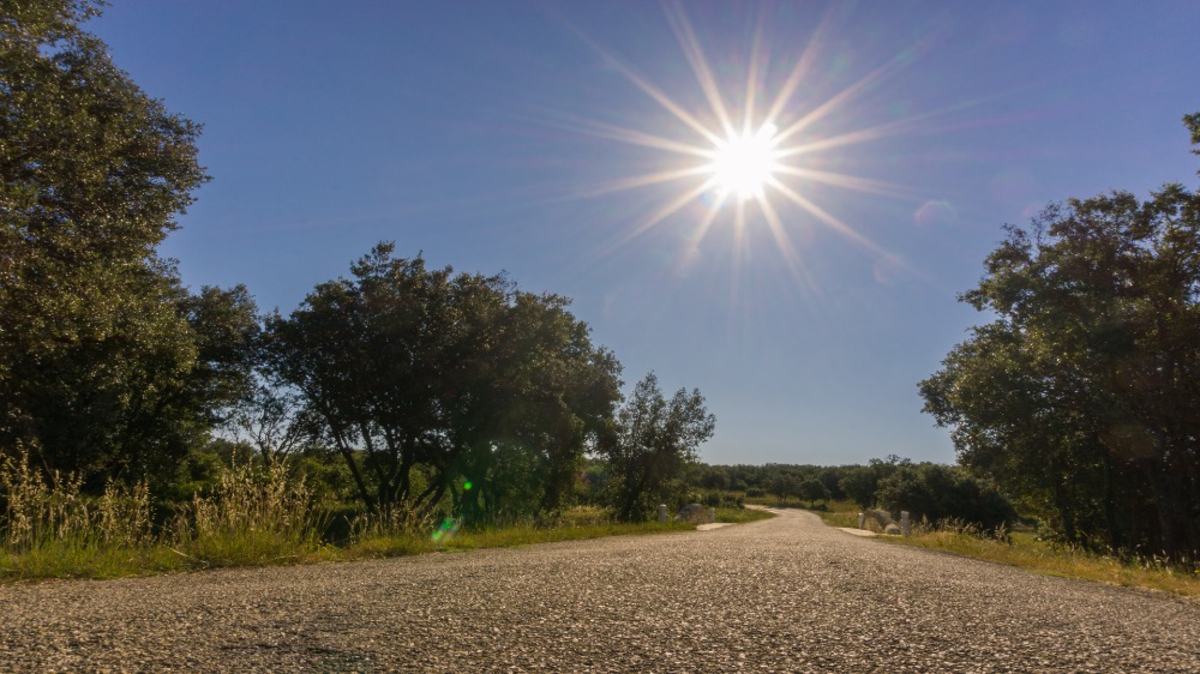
743,164
746,158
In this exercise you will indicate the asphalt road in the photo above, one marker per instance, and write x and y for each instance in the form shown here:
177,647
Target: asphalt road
785,595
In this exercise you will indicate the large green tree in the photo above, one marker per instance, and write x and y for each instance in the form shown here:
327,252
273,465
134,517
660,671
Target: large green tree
427,381
1082,397
107,365
654,441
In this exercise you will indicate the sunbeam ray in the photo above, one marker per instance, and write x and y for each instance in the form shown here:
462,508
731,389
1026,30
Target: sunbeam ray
895,127
708,220
790,254
865,185
660,215
645,180
827,219
649,89
803,64
752,75
841,97
695,56
640,138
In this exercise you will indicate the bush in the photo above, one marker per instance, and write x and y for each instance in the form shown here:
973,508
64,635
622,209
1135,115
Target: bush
722,499
813,490
937,492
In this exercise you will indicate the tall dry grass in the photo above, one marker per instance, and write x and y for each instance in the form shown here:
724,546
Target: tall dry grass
254,515
1024,549
50,529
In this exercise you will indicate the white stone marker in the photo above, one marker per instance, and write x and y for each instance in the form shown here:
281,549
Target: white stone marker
662,512
905,526
862,520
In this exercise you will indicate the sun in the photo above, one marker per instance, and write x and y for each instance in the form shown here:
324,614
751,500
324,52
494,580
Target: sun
758,160
743,164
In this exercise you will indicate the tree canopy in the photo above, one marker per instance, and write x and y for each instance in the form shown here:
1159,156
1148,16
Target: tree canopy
107,365
1082,397
447,383
439,390
654,440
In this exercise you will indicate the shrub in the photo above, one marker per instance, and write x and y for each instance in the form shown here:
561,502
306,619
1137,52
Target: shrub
721,499
938,492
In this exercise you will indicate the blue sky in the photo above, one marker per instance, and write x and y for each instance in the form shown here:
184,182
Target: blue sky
497,136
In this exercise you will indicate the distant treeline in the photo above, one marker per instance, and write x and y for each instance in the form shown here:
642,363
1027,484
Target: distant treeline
932,491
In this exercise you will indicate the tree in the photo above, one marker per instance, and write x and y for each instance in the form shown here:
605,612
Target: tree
784,485
272,419
1082,398
831,478
432,384
813,490
860,483
653,441
714,478
103,365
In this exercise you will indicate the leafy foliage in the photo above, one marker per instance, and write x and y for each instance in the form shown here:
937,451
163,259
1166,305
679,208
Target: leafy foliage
460,383
937,492
107,366
655,440
813,490
1083,396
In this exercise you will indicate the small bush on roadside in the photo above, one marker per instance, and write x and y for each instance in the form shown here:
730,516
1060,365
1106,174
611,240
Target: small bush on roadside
722,499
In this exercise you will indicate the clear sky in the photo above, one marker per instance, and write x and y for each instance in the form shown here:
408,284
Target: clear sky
561,141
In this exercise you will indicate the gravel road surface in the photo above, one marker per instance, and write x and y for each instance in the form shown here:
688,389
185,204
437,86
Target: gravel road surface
784,595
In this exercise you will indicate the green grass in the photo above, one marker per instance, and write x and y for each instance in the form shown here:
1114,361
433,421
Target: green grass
398,545
66,560
69,560
1024,550
1027,552
841,514
254,516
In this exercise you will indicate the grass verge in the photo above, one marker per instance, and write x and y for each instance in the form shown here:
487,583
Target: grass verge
69,560
1024,550
398,545
254,516
741,516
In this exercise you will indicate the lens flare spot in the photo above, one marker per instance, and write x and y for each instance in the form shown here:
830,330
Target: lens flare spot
446,529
